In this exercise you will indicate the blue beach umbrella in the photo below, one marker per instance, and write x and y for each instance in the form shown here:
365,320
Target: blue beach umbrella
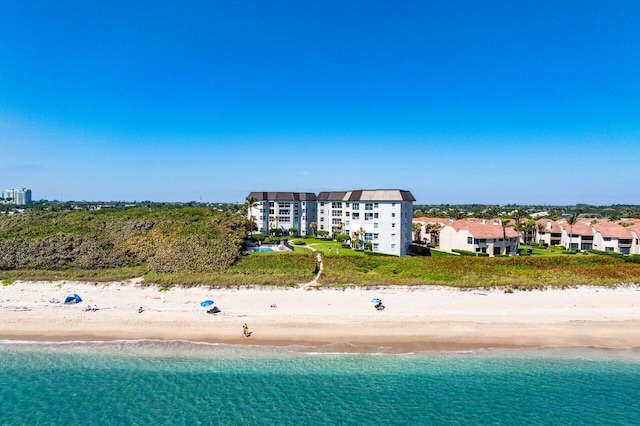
72,298
376,300
206,303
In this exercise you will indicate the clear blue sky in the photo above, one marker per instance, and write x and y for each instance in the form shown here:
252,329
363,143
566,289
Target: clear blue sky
489,102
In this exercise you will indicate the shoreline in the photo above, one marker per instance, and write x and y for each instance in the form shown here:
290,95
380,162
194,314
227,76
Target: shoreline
416,319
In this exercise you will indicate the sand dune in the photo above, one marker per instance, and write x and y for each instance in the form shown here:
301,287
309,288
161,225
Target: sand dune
421,318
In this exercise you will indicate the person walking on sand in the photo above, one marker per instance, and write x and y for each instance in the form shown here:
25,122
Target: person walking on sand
245,331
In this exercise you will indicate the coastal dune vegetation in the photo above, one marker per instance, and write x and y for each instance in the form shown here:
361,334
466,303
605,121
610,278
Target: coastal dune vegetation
202,246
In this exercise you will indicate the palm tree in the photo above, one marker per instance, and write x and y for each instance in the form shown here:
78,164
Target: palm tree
313,227
250,203
416,227
435,234
571,221
362,233
504,223
540,227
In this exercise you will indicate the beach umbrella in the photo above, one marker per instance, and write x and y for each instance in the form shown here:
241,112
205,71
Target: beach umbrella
72,298
206,303
376,300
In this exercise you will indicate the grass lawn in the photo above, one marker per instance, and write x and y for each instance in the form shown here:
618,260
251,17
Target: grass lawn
549,251
327,247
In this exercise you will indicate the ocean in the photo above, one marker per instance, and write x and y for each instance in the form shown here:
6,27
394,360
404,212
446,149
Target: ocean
185,383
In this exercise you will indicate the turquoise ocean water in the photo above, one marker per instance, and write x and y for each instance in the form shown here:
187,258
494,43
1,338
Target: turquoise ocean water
183,383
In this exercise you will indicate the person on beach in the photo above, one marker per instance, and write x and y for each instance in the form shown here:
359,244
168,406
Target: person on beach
140,310
245,331
88,308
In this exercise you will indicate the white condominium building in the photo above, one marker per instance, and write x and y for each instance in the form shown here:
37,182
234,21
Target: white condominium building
382,217
283,210
20,196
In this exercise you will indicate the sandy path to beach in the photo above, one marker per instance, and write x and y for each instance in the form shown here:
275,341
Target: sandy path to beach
415,318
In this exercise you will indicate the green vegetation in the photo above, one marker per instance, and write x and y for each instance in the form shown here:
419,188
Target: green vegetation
193,239
468,271
202,246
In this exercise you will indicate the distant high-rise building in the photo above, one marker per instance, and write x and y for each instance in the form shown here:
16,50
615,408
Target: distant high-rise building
19,196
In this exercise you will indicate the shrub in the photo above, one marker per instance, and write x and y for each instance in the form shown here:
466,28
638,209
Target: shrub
469,253
633,258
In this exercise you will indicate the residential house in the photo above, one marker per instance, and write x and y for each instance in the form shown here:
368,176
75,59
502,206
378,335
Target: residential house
578,236
479,236
424,222
611,236
550,234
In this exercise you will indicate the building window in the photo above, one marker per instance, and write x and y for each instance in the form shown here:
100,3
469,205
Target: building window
607,238
375,215
393,215
375,205
393,236
347,214
346,205
321,211
368,216
607,248
393,204
368,206
375,236
322,219
355,206
469,240
376,246
347,223
393,225
336,221
375,225
284,212
336,205
336,212
368,236
356,216
393,246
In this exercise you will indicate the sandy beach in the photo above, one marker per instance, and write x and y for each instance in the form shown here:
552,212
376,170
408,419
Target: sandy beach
424,318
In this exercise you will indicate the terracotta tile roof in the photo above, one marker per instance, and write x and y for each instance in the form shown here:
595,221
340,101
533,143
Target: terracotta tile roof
613,230
550,225
581,227
440,220
484,228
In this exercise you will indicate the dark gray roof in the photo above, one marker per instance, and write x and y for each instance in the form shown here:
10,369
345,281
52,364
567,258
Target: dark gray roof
367,195
283,196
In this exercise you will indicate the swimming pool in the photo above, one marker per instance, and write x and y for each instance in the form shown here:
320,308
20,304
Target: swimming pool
262,249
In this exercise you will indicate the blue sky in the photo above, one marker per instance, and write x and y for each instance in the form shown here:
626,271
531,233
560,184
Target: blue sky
459,102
